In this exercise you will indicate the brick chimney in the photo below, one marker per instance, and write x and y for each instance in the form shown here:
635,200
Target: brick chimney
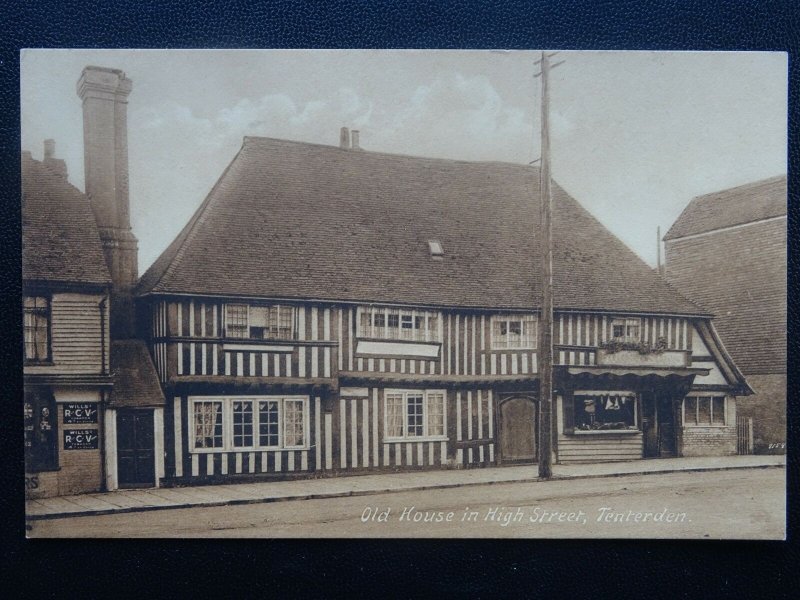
344,138
104,93
354,141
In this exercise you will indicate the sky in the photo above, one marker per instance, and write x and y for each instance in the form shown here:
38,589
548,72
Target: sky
634,135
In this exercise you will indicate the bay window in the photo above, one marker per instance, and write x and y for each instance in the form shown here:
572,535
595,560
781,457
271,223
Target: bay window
398,324
701,411
249,423
274,321
514,332
606,410
412,414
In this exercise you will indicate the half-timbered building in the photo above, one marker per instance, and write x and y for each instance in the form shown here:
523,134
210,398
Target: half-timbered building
330,309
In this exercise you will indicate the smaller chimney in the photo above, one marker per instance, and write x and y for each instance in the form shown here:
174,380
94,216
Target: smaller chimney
344,138
49,149
354,140
56,165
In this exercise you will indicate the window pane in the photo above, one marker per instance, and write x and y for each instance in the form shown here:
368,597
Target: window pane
293,423
35,321
243,423
605,411
435,407
618,330
40,422
499,334
267,423
208,424
414,421
704,410
394,415
236,320
718,410
514,334
690,410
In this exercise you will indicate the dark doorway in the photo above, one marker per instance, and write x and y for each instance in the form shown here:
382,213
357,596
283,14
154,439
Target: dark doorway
135,448
518,430
666,426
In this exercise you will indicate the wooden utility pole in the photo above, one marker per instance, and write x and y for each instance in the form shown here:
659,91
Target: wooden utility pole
545,433
658,249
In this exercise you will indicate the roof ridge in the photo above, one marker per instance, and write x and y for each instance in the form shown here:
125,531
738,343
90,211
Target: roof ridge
364,152
747,185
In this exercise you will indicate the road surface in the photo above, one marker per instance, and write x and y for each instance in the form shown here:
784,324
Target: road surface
733,504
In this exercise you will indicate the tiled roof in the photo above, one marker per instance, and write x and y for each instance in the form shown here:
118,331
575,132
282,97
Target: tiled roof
60,241
135,378
735,206
297,220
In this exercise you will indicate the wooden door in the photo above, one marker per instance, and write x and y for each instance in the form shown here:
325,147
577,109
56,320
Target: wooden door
518,430
135,448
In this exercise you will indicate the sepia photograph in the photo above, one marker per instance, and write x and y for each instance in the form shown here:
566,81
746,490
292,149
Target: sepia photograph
404,293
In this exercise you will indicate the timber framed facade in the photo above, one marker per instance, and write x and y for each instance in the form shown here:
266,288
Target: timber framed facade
298,331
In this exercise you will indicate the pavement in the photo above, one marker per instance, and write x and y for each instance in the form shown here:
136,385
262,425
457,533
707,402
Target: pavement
130,500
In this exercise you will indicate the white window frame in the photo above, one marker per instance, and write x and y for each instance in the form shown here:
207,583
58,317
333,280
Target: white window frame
425,437
428,333
291,308
697,397
627,322
227,423
524,319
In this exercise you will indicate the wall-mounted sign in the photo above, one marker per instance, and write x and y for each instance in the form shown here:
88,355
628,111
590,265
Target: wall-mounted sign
81,439
76,413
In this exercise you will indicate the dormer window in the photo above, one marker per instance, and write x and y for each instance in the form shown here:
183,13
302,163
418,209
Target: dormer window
436,250
627,330
260,322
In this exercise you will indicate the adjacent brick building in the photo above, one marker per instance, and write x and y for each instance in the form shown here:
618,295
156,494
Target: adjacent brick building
727,251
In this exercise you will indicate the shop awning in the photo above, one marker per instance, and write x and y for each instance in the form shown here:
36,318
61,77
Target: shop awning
638,371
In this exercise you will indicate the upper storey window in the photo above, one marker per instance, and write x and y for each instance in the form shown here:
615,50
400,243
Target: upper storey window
514,331
261,322
36,328
626,330
398,324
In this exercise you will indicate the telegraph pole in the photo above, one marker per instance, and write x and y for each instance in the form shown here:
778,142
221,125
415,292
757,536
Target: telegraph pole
545,433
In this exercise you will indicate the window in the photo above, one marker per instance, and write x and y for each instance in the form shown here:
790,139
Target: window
626,329
605,410
275,321
249,423
412,414
704,410
514,331
36,325
40,424
398,324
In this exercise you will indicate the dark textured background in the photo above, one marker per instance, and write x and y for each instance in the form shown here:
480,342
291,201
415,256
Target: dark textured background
267,568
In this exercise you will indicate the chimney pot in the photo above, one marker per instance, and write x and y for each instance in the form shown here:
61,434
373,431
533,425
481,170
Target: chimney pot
49,149
354,140
344,138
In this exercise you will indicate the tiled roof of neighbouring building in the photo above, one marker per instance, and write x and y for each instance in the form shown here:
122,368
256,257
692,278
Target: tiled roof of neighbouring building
297,220
735,206
737,273
135,377
60,241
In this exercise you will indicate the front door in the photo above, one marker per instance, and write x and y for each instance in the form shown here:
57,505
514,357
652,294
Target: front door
666,426
518,430
135,448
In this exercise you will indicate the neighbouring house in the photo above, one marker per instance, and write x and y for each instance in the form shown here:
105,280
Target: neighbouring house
727,251
93,402
330,309
66,289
